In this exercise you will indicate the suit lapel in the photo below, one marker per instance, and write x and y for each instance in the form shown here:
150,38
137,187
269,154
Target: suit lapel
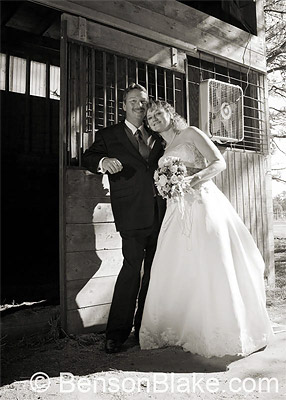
154,141
128,142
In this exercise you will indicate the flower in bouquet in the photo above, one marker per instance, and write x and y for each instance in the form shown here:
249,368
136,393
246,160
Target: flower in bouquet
169,178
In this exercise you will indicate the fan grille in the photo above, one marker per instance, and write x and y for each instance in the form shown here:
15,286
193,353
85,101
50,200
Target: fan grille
225,111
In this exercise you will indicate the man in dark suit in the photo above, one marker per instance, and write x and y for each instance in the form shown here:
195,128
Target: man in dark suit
129,154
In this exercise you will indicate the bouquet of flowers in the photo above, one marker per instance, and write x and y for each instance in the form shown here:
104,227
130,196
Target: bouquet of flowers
169,178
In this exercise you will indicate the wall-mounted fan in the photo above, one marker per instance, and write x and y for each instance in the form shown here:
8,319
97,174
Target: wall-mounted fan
221,111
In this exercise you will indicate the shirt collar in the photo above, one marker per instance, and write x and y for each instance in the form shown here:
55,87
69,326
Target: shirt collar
132,127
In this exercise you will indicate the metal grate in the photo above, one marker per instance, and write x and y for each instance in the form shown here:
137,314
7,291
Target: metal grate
96,81
207,67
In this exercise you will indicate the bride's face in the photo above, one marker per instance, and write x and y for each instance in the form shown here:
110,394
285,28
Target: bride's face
158,119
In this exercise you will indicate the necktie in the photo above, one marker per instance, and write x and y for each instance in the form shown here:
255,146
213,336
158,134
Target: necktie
142,147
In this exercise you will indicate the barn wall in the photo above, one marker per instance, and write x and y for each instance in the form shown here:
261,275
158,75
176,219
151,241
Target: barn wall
91,255
245,183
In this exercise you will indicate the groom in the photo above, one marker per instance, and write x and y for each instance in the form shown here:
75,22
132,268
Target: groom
129,154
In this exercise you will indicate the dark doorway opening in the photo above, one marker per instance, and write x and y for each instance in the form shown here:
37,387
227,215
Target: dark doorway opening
30,152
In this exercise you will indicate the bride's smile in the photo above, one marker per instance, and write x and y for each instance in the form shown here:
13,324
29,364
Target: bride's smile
159,119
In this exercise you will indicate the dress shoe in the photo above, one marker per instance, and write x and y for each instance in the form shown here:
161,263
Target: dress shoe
112,346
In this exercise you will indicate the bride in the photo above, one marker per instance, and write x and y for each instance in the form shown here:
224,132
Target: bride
206,292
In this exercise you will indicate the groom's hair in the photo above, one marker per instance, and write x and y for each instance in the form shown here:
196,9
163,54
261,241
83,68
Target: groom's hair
131,87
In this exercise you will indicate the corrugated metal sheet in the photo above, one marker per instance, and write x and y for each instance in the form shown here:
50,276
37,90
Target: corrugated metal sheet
17,74
2,71
55,82
38,79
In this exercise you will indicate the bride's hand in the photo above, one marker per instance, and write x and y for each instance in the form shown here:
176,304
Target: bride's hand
193,180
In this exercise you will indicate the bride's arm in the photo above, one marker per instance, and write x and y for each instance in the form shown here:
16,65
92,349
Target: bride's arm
212,154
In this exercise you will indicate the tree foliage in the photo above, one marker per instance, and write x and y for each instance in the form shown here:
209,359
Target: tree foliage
275,26
275,21
279,202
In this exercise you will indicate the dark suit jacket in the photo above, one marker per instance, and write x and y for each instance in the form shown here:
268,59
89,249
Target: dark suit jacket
132,189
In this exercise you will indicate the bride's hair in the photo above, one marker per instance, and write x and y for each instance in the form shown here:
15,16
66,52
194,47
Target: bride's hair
177,121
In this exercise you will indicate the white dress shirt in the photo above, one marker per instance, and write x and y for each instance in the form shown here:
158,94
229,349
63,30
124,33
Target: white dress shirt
133,130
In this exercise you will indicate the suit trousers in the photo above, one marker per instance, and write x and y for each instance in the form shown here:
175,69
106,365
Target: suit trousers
137,246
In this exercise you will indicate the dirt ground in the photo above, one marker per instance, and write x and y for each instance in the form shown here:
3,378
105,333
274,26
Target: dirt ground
78,368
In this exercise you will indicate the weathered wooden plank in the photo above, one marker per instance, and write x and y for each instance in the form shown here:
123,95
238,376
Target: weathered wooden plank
263,200
231,178
85,237
80,182
225,177
189,16
178,26
93,264
239,187
269,259
88,210
207,33
258,182
114,40
245,190
251,195
90,292
87,320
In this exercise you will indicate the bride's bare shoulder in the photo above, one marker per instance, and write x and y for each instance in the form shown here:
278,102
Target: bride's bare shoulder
190,133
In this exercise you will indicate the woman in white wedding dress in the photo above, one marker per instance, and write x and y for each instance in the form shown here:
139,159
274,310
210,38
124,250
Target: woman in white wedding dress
206,292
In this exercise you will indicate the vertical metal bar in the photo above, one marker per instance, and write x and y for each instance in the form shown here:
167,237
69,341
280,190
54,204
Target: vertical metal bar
240,78
165,85
187,91
93,92
104,91
115,91
261,114
79,142
227,69
156,82
200,68
71,132
62,172
214,67
126,73
146,77
174,90
76,106
136,71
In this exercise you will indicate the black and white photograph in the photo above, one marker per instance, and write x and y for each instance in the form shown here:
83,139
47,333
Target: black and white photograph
143,199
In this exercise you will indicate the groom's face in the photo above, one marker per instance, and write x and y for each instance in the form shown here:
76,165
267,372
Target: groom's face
135,106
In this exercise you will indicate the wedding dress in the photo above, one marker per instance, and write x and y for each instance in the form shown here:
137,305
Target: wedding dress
206,292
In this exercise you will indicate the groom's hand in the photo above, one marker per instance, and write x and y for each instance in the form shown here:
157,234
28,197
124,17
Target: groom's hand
111,165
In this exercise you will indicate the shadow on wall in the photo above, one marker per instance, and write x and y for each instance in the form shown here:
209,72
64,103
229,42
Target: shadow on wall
93,257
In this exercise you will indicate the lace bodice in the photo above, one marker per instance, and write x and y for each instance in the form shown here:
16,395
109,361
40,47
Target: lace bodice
186,151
